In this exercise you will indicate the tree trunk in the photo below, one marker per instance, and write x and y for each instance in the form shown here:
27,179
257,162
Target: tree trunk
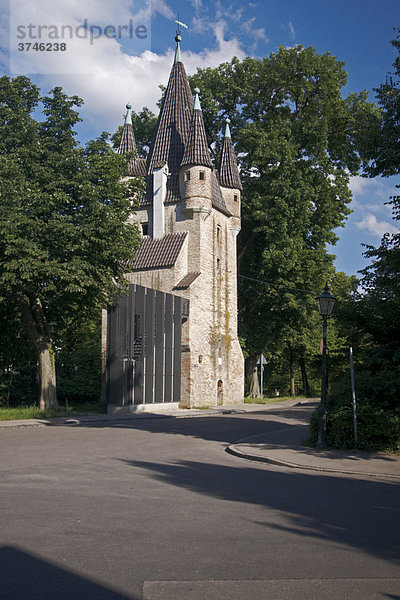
37,327
291,371
47,372
253,385
304,376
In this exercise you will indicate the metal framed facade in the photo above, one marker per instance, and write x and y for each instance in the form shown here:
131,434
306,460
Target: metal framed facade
144,347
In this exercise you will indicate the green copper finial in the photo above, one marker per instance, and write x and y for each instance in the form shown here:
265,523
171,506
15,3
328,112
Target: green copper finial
196,105
178,48
128,116
227,130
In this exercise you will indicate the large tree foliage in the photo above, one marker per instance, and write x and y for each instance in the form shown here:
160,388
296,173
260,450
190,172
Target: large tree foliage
371,320
298,142
386,142
381,279
64,234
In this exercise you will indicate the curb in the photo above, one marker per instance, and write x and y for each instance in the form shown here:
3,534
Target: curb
231,449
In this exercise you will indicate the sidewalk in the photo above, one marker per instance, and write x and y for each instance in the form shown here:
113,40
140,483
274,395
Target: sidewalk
285,448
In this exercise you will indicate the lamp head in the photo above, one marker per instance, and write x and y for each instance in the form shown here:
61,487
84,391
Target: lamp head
325,302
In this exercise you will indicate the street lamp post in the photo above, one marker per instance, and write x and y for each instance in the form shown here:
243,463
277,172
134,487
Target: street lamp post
325,303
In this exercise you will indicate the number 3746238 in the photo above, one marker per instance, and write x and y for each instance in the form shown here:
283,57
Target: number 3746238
42,47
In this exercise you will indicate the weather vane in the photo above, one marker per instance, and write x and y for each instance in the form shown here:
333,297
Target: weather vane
180,24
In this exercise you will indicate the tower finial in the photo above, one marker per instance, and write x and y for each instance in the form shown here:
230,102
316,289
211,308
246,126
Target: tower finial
227,129
178,39
196,105
128,116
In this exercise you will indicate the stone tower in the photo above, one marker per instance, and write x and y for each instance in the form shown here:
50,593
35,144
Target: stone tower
190,218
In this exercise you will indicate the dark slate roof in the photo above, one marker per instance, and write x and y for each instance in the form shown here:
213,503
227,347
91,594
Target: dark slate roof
186,281
217,198
179,139
137,167
196,150
127,143
172,129
228,171
158,253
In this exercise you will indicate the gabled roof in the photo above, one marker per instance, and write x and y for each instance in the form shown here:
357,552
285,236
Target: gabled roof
196,150
228,171
156,253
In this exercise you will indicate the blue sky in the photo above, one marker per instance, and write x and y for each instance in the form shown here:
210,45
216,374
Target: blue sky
111,71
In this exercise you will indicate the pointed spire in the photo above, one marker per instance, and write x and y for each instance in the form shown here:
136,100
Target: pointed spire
173,126
196,149
127,143
228,171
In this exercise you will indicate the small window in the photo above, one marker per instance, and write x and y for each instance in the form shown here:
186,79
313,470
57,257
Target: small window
218,265
187,176
218,233
145,228
202,175
235,197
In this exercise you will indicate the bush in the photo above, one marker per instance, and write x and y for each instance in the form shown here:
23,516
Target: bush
377,429
377,381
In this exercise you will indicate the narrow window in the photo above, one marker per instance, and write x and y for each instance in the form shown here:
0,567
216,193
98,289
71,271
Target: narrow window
187,176
145,228
202,175
235,197
218,233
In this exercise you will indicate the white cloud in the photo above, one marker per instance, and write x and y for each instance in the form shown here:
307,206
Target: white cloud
115,78
255,33
292,31
374,227
197,5
375,187
359,184
107,74
162,8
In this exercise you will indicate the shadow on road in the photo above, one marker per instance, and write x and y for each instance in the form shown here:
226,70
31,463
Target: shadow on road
26,577
354,512
232,427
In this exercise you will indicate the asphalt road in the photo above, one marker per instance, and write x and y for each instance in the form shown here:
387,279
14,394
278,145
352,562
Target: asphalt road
155,509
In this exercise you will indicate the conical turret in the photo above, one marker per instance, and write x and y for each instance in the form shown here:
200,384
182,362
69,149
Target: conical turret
228,171
229,179
128,142
173,126
196,150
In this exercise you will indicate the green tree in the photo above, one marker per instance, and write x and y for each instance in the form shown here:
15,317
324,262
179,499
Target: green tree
379,313
386,141
298,142
64,234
